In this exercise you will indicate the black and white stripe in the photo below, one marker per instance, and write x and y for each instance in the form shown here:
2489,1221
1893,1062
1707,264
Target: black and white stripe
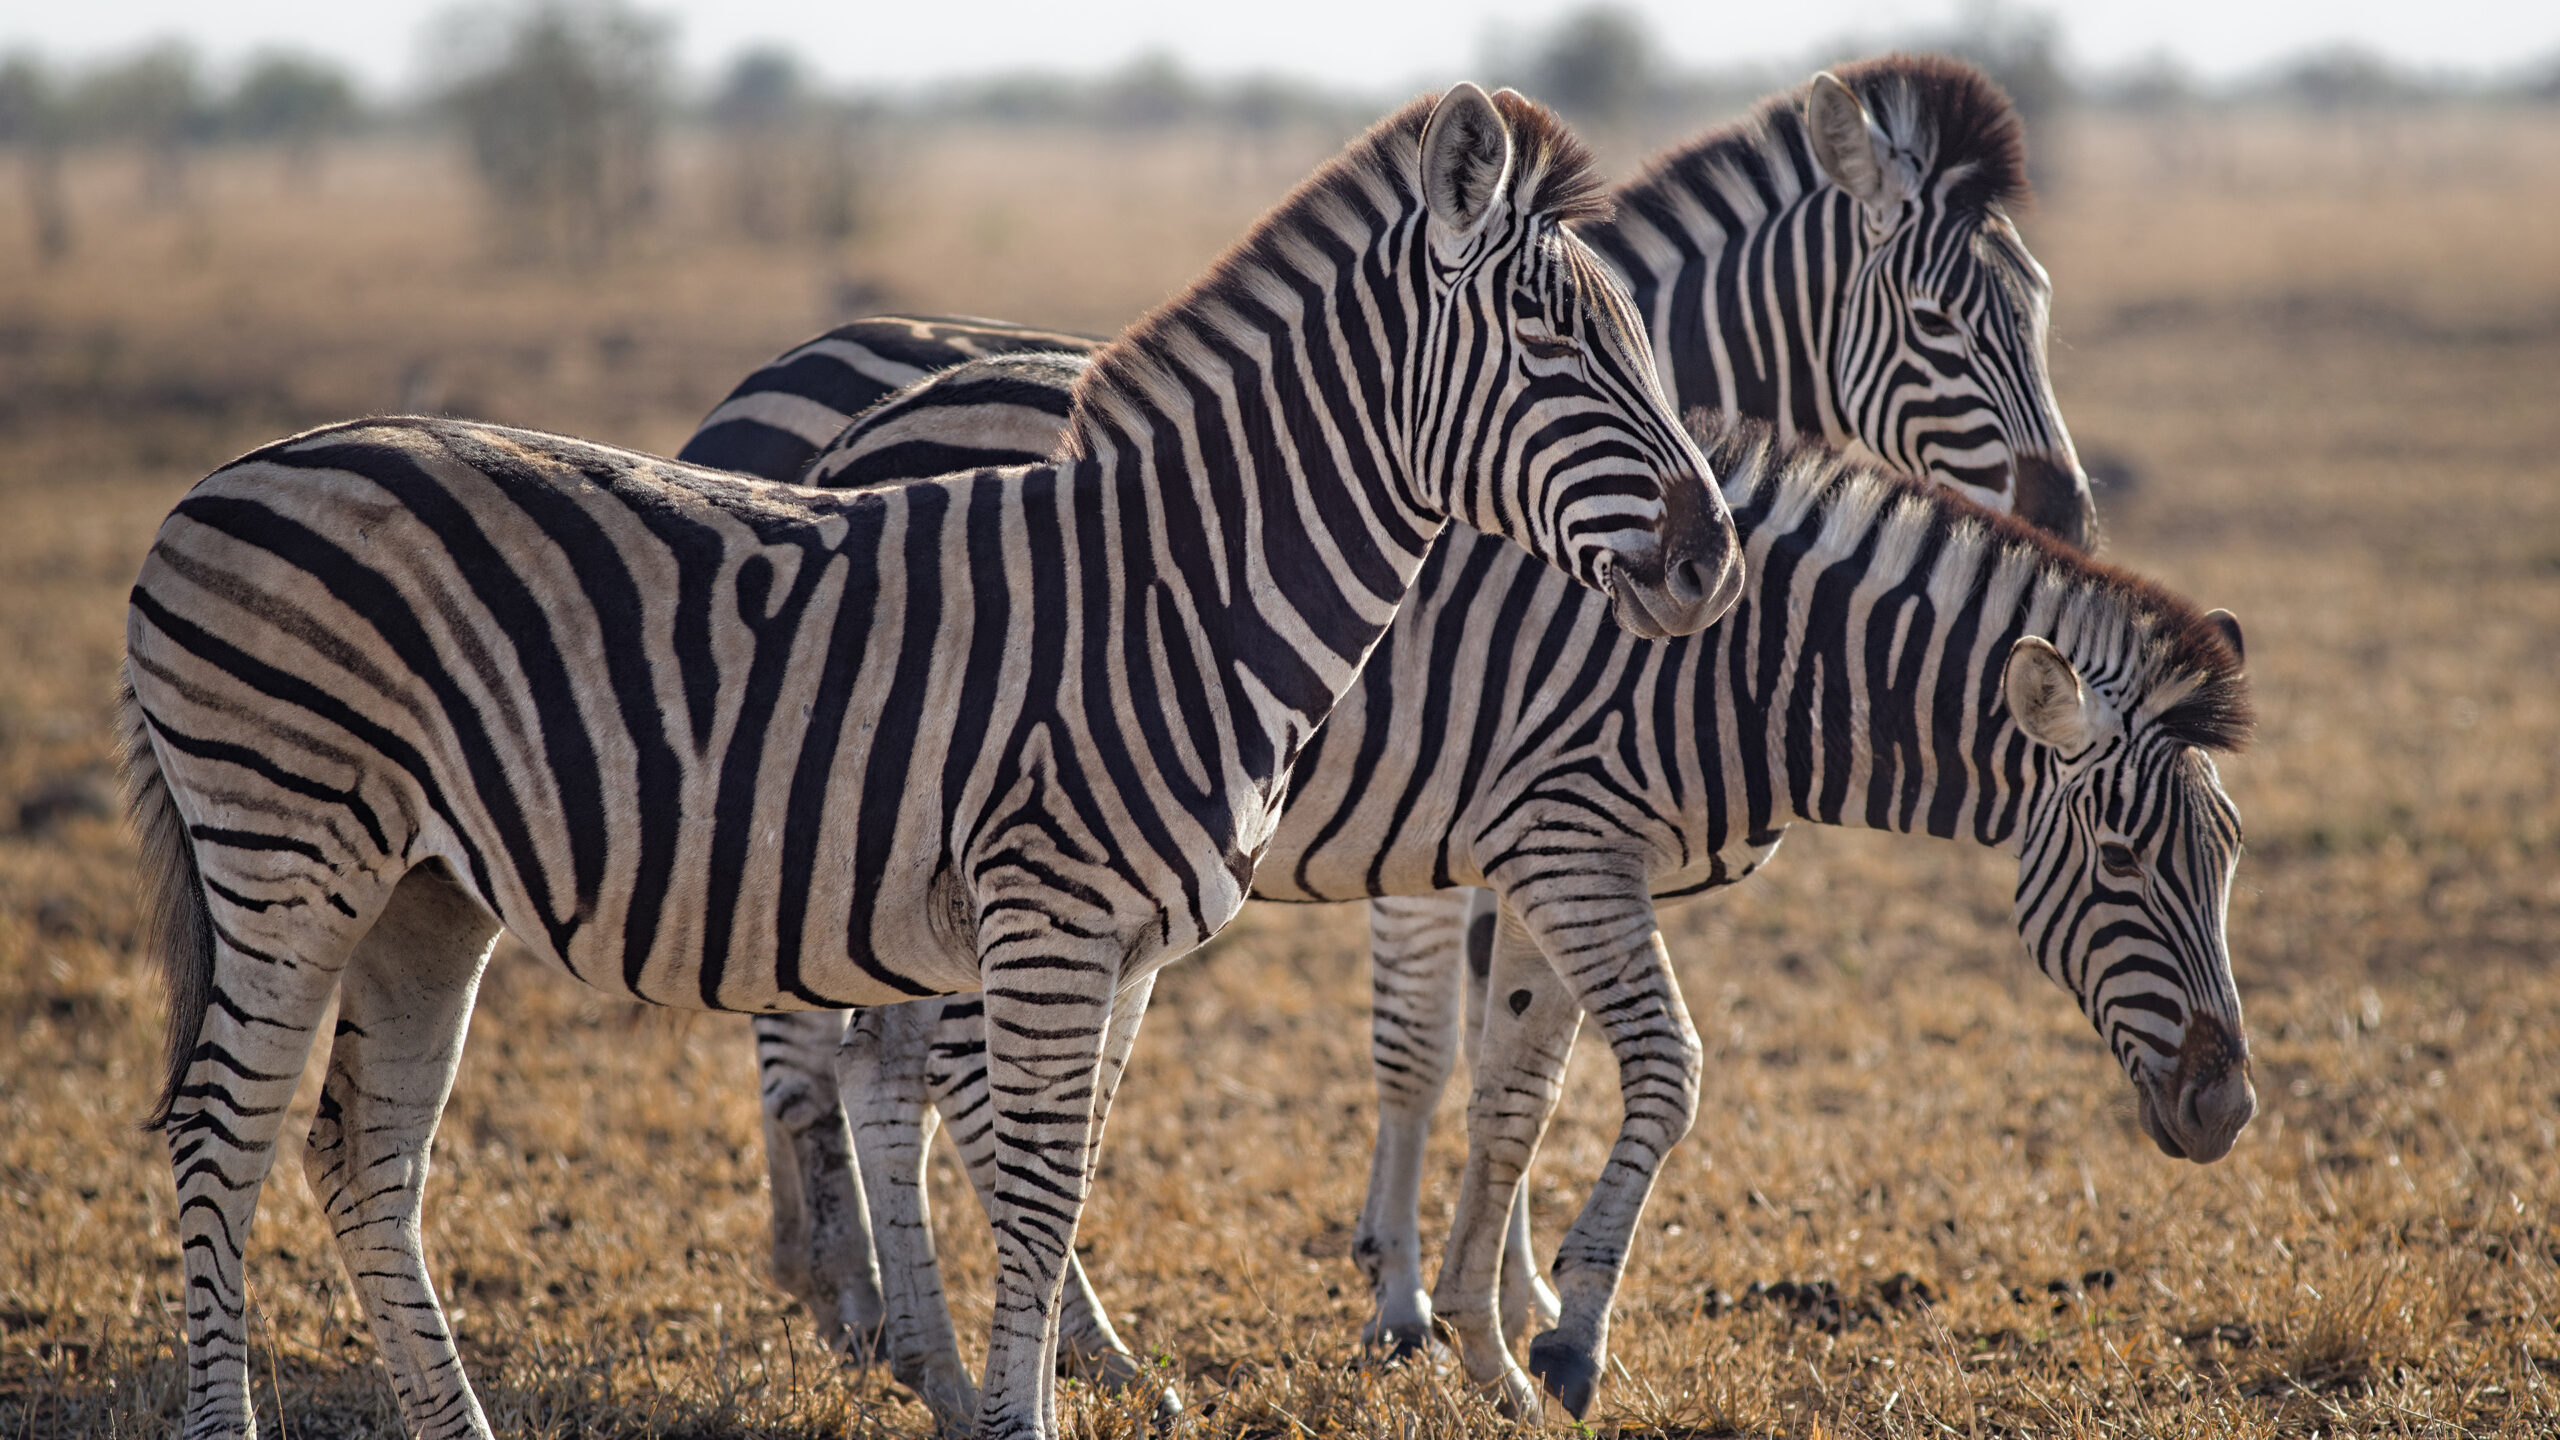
1900,661
712,742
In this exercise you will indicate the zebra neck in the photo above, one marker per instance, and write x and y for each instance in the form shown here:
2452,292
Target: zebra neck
1284,572
1737,273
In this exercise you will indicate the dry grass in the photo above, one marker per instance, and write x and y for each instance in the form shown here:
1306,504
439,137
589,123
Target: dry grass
2319,365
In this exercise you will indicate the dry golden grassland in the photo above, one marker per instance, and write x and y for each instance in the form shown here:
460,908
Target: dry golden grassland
2318,360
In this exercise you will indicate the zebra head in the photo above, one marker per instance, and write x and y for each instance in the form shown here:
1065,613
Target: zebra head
2125,868
1537,413
1939,366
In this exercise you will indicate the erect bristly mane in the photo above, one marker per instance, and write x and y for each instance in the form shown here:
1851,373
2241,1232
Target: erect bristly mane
1374,181
2153,655
1940,110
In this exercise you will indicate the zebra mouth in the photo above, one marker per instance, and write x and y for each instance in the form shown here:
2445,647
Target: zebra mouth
2197,1110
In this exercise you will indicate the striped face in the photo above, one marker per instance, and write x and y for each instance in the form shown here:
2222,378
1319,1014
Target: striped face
1537,411
1939,365
2124,879
1941,369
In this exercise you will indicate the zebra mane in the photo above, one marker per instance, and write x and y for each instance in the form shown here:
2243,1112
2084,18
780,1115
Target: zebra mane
1351,199
2152,654
1941,110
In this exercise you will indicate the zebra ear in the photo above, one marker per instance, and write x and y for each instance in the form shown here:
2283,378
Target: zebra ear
2045,694
2229,625
1466,162
1848,146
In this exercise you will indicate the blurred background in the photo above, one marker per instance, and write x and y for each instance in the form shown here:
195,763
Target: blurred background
2306,261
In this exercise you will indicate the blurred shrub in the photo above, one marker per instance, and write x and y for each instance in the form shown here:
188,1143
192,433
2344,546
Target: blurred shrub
156,100
1595,65
292,101
793,155
32,123
562,114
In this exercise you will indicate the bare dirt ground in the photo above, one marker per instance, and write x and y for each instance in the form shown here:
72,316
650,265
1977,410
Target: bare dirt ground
2314,359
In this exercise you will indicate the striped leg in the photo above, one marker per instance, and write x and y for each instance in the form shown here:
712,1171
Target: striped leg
1088,1347
1414,951
881,1068
222,1127
1529,1303
1602,940
1048,1074
1528,1035
822,1251
404,1004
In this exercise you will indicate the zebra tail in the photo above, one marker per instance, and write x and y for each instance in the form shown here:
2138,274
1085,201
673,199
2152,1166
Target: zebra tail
179,925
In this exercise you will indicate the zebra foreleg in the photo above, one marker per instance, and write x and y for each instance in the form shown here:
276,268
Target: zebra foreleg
404,1004
881,1067
822,1251
1528,1036
1610,953
1088,1347
1529,1303
1050,1019
1415,948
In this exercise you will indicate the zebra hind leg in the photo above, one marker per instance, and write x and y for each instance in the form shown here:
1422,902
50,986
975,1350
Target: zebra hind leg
822,1247
404,1005
1416,946
222,1114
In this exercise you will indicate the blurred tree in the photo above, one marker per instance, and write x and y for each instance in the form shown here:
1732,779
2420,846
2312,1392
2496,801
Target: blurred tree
793,154
32,122
757,109
563,123
1596,65
2344,77
155,100
293,101
1150,92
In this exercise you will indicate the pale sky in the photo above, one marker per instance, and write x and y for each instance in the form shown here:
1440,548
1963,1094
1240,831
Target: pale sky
1353,44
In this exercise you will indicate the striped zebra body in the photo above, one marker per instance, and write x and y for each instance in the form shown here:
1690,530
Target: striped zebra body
1838,265
1509,735
787,411
695,737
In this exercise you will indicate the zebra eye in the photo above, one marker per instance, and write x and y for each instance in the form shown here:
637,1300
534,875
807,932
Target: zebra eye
1935,325
1546,344
2119,860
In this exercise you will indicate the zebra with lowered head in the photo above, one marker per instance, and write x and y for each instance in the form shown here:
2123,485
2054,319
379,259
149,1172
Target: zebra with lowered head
1899,661
395,684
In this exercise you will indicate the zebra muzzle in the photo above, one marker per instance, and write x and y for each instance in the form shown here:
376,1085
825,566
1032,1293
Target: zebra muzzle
2198,1110
1692,577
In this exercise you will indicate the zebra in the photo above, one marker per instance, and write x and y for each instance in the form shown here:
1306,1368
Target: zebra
1839,263
395,684
1925,343
1900,660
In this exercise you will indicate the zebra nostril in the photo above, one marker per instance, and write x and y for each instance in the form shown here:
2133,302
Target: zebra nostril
1688,580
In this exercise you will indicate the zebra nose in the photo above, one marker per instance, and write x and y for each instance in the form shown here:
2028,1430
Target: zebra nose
2054,498
2210,1089
2216,1111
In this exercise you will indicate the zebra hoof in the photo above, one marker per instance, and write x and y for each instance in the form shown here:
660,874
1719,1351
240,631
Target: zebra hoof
1567,1373
1400,1342
860,1343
